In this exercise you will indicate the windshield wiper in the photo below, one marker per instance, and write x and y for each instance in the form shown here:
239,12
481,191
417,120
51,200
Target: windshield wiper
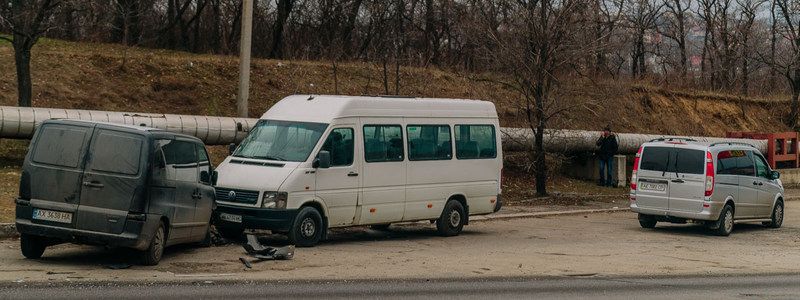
268,157
666,166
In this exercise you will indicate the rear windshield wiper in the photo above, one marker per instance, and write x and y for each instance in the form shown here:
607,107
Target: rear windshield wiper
666,166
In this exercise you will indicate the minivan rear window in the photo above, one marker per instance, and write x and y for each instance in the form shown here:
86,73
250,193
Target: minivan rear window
60,146
673,160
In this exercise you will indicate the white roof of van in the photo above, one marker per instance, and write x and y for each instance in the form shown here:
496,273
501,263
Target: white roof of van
324,108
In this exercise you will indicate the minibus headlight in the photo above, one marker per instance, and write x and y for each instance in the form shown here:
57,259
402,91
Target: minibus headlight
274,200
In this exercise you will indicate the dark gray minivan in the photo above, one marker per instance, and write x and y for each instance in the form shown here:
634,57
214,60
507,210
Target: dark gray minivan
114,185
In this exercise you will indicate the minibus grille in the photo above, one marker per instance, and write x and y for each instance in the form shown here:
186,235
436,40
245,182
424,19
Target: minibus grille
238,196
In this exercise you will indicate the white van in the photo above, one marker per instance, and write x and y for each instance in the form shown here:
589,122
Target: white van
315,162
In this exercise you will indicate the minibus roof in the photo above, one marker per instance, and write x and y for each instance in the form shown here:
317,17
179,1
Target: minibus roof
325,108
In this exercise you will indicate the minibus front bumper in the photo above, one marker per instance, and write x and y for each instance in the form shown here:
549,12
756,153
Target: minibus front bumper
255,218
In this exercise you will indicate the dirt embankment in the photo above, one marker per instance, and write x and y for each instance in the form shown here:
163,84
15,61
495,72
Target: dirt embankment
112,77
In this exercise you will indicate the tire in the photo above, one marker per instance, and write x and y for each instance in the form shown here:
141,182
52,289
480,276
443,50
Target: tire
724,225
452,219
231,233
647,221
152,255
307,229
380,227
777,216
32,246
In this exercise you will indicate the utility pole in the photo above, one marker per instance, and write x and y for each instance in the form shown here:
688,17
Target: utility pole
244,58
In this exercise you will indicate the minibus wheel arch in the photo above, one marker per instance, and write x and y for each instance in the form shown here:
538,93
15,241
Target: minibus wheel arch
318,206
463,200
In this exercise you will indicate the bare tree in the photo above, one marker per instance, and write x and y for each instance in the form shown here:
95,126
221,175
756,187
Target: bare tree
788,63
677,13
284,9
642,16
536,55
28,20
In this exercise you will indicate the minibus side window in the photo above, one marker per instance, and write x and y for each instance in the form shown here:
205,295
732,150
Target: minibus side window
429,142
340,145
383,143
475,141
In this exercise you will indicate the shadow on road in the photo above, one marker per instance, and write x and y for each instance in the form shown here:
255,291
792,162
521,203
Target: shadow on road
701,230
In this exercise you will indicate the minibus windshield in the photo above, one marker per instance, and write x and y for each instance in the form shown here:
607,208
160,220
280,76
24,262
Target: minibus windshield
281,140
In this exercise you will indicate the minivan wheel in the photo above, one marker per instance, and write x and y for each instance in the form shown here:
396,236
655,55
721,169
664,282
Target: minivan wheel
32,246
724,225
155,251
777,216
647,221
452,219
307,228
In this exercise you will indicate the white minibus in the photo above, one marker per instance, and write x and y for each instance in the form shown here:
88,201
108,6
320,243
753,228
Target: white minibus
314,162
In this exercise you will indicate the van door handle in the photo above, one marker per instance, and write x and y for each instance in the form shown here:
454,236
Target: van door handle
678,180
93,184
352,174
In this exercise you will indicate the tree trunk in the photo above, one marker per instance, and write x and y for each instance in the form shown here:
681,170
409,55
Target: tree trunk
284,9
22,58
539,159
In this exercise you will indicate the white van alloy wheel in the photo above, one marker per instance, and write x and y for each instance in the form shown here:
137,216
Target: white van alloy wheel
308,228
455,218
728,221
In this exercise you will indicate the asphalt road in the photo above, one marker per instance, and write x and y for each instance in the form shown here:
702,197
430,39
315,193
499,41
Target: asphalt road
607,245
704,287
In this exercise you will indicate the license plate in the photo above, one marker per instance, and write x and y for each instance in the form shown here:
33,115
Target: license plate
653,187
52,216
230,218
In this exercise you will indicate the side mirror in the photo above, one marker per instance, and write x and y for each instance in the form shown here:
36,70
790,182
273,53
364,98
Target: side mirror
231,148
774,175
214,176
205,177
323,160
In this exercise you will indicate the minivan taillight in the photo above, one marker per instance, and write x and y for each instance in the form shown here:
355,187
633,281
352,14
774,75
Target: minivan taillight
635,168
709,174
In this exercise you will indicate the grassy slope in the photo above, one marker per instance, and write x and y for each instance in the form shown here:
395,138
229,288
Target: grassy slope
112,77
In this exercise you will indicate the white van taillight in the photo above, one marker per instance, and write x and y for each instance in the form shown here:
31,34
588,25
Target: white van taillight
635,168
709,174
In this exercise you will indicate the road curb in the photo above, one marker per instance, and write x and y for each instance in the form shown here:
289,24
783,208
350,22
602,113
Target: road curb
8,230
546,214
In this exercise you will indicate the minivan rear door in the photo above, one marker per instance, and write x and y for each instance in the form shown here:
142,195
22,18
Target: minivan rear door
653,183
687,186
53,171
112,179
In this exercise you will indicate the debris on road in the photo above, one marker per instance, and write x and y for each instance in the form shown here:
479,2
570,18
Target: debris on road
262,253
255,249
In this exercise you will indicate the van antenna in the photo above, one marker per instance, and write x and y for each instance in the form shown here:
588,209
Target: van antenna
310,97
